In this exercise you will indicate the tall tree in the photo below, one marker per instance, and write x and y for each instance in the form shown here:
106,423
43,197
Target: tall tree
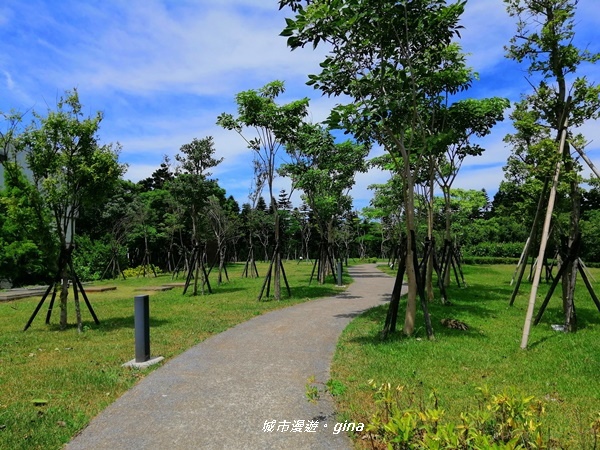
395,60
159,177
27,247
70,170
191,188
561,100
324,170
460,123
272,124
224,225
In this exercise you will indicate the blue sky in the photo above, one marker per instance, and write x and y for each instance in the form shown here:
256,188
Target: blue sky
163,70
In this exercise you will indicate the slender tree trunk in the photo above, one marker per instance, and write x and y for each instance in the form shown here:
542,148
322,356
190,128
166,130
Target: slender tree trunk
64,291
277,255
429,272
196,268
447,232
64,295
570,276
411,304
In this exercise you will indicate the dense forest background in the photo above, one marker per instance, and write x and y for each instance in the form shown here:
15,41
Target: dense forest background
142,224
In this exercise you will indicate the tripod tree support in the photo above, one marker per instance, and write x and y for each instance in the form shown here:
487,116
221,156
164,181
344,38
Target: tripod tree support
392,314
571,256
544,242
276,259
526,251
65,261
197,264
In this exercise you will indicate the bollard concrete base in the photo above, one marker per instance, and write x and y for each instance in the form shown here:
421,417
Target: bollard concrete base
143,365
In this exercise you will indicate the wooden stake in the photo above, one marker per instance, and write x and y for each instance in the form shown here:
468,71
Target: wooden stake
545,234
587,160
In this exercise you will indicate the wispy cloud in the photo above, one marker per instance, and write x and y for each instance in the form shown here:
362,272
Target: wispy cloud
162,71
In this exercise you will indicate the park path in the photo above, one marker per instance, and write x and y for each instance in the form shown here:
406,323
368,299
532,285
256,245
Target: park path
220,393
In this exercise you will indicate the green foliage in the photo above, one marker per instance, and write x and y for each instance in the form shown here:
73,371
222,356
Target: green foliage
558,368
324,170
191,186
272,124
335,387
314,388
91,257
80,374
140,271
590,230
27,250
502,421
70,168
478,260
495,249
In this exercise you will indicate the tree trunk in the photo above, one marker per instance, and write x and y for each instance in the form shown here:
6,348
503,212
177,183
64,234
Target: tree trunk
64,295
411,303
429,262
570,276
64,291
196,275
277,255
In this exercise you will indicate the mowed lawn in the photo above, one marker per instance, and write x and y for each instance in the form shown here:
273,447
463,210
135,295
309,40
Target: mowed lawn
53,382
562,370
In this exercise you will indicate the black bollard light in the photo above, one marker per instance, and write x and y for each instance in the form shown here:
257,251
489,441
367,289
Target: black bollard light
141,311
141,320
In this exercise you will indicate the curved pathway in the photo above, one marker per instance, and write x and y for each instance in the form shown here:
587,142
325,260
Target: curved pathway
222,392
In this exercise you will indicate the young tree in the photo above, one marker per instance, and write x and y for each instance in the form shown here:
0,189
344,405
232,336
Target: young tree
272,124
324,170
395,60
70,170
561,100
191,189
223,223
462,121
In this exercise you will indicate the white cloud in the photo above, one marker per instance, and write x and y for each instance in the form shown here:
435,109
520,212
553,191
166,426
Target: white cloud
487,28
162,71
477,177
137,172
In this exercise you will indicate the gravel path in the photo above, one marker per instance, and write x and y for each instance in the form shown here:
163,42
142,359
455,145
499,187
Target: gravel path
220,393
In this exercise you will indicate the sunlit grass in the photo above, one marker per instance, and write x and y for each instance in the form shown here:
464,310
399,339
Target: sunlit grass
561,369
79,374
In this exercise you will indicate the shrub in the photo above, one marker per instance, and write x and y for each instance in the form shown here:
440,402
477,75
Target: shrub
489,260
90,258
502,421
140,271
495,249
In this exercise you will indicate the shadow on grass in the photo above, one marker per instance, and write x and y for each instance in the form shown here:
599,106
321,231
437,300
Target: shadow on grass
111,324
466,303
222,289
313,291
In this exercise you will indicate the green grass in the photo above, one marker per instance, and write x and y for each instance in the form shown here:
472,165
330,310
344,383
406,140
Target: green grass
560,369
79,374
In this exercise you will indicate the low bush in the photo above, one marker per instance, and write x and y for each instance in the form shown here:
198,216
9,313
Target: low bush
499,421
495,249
489,260
142,271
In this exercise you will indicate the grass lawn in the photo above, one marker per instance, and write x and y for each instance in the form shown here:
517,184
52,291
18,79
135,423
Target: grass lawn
53,382
562,370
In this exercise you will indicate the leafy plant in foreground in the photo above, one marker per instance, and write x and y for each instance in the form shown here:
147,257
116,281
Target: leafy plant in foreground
501,421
